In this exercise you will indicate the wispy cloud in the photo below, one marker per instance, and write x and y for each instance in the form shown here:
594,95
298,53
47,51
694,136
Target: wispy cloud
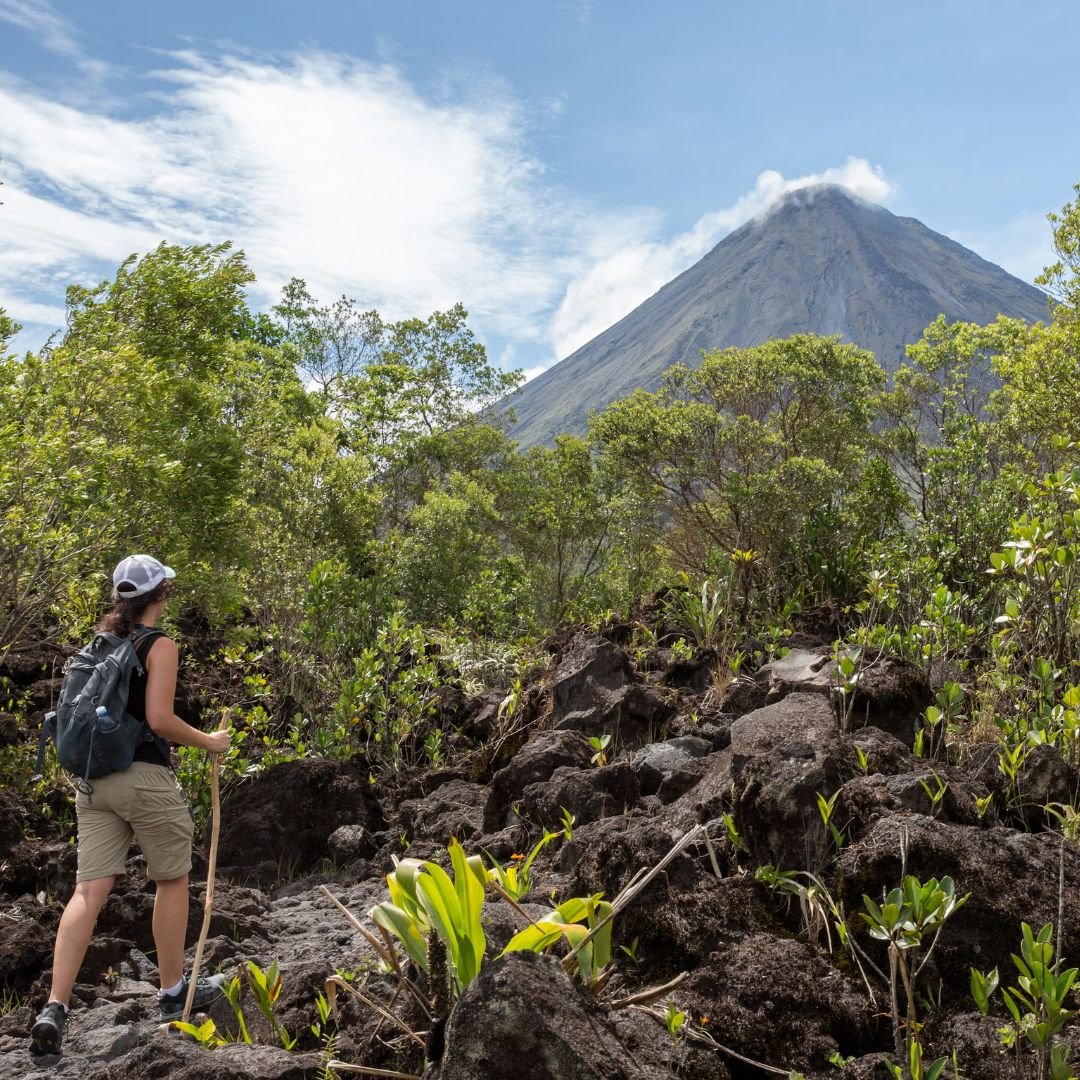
55,33
320,166
615,284
344,173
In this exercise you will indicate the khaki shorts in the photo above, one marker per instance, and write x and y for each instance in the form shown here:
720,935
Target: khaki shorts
143,803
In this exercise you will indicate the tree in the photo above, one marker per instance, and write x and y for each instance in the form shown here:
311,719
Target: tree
332,342
1039,403
560,523
1062,277
947,447
155,423
750,448
452,538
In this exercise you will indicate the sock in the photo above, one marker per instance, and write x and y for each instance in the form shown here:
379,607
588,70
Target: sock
62,1004
174,990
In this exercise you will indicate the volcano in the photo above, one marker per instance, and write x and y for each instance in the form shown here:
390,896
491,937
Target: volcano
820,260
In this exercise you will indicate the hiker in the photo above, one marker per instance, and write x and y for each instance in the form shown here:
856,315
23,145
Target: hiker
143,802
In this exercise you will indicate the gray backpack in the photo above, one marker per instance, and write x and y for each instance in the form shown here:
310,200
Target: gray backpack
92,729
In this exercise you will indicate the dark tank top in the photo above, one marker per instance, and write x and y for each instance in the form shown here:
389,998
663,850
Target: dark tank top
155,751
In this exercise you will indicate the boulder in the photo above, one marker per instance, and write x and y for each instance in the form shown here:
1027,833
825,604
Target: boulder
349,843
1011,877
890,693
884,753
456,808
801,671
534,763
523,1016
589,666
694,674
781,1002
593,690
670,768
605,855
180,1058
589,794
26,941
804,671
783,755
279,824
865,799
9,729
480,716
717,731
633,715
1043,779
12,817
34,867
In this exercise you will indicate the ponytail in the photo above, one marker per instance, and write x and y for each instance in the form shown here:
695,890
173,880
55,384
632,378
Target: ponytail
127,611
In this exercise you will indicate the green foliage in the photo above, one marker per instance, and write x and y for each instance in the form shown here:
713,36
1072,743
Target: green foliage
515,879
450,540
915,1069
820,911
600,744
945,446
1062,277
674,1020
910,913
983,987
734,837
567,824
386,699
205,1034
585,923
424,898
826,809
266,987
942,718
233,992
9,1000
1037,1001
702,612
1039,571
721,448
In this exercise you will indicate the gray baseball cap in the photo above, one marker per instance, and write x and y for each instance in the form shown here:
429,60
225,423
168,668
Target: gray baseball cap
139,574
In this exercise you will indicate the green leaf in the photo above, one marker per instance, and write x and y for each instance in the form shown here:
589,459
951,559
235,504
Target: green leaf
398,922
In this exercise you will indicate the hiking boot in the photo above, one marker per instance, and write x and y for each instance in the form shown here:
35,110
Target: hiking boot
47,1035
206,990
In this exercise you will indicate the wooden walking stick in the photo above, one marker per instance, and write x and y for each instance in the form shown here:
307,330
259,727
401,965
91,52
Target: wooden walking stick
211,870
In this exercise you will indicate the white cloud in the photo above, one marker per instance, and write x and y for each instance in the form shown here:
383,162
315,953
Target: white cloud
320,166
53,31
341,172
615,284
530,373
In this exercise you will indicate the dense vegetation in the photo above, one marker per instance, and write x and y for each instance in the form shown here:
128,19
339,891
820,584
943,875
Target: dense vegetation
340,493
355,532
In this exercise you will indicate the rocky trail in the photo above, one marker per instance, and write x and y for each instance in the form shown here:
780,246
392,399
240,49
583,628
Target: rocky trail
766,985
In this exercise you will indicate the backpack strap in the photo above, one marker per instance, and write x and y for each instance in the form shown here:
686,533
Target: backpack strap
48,731
143,641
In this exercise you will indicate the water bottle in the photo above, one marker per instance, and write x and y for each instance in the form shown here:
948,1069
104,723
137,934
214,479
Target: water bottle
105,722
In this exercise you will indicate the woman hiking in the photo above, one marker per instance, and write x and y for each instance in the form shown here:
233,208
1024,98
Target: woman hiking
144,803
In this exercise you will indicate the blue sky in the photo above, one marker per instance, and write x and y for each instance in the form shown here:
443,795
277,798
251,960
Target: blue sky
550,164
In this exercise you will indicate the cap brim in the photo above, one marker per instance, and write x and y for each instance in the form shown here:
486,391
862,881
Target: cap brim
170,573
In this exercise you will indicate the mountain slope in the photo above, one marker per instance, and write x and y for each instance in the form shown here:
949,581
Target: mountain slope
821,261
